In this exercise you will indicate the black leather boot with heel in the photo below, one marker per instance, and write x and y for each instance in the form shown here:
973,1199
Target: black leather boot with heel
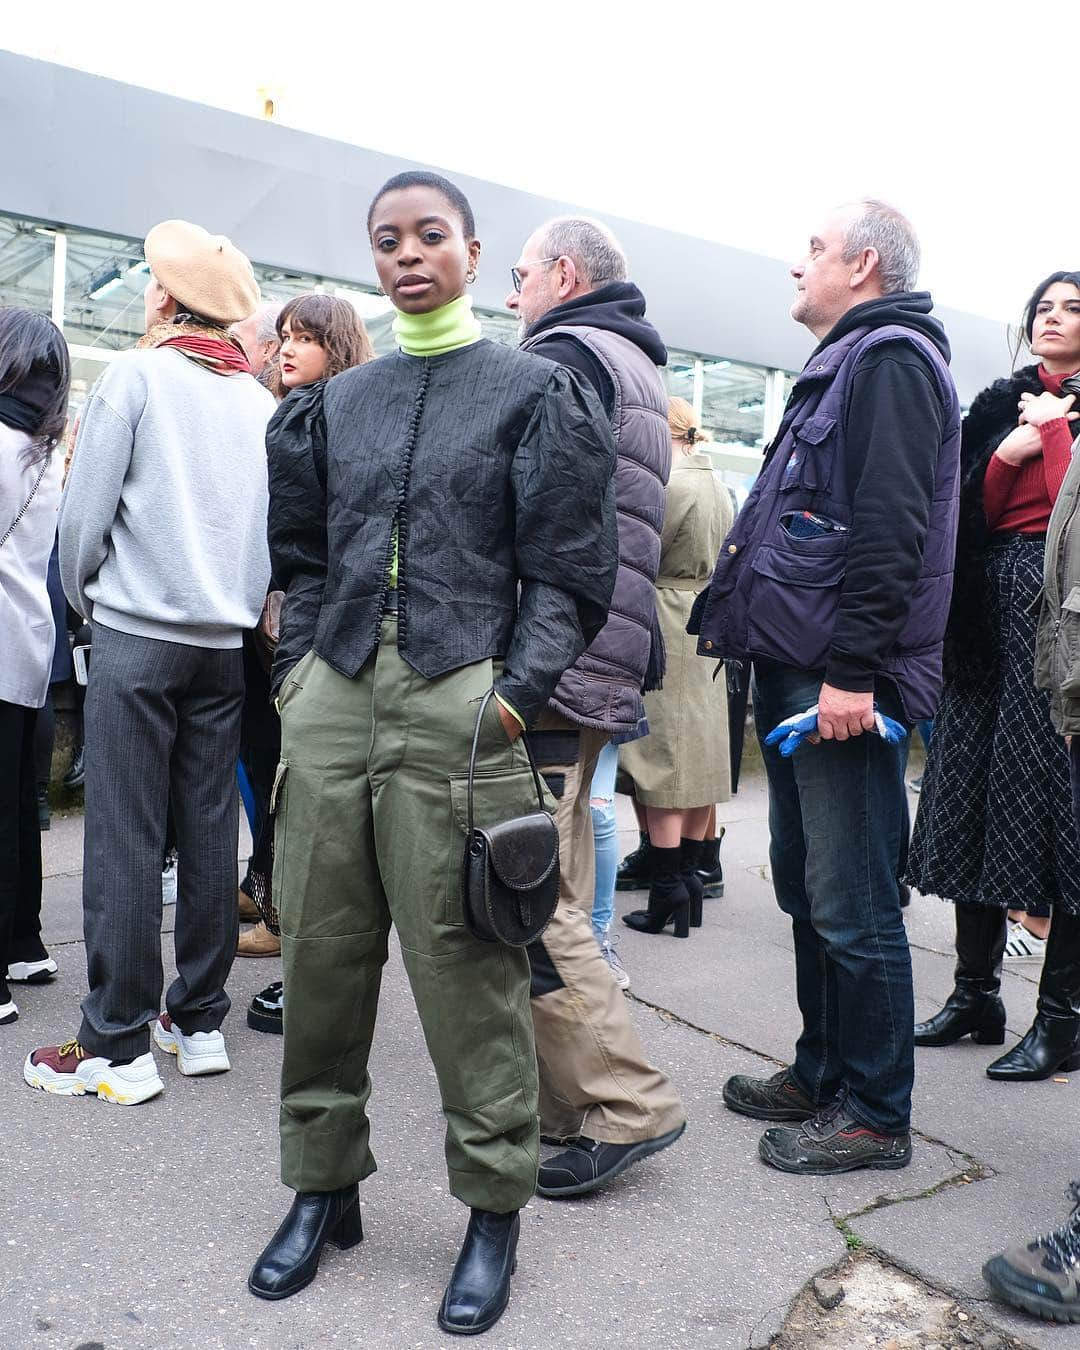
1053,1043
974,1008
479,1288
669,897
291,1259
690,862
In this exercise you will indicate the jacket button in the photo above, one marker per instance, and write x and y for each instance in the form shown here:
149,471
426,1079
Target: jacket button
733,548
708,646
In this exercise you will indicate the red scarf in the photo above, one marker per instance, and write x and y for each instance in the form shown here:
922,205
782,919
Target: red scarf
1052,383
220,354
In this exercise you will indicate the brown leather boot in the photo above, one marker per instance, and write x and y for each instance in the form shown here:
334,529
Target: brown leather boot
258,941
249,910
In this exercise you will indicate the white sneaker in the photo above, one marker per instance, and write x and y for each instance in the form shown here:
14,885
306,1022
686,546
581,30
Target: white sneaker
201,1052
32,972
168,883
68,1071
611,956
1023,945
8,1012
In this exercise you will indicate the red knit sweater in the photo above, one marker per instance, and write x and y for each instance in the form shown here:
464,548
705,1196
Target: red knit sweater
1018,498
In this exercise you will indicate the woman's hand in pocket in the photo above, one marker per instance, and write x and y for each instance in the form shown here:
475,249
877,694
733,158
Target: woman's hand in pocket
511,725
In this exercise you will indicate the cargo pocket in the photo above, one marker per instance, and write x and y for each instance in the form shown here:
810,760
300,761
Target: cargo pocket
809,465
498,795
1067,647
796,590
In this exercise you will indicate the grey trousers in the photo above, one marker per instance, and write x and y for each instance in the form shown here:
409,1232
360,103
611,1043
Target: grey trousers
160,717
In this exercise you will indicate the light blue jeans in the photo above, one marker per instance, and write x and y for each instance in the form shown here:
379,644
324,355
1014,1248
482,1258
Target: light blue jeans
605,839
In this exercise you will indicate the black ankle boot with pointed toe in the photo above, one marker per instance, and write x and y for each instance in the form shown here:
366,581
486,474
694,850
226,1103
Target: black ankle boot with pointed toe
291,1259
479,1288
669,898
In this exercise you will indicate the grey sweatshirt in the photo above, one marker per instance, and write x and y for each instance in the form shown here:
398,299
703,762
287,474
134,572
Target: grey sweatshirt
163,520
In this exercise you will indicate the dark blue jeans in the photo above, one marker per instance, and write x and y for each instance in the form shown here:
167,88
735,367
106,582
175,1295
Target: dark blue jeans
836,813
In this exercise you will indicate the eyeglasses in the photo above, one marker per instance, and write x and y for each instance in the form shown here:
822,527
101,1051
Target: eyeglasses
516,276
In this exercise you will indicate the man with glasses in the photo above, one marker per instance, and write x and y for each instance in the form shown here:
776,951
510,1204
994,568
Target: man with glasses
599,1095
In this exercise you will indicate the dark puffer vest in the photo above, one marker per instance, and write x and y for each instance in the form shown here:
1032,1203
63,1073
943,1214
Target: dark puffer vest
603,687
776,596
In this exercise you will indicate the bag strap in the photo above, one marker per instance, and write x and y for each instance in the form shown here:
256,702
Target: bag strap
26,504
472,759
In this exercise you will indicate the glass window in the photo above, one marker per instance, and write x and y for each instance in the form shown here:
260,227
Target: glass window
733,403
84,373
501,328
679,376
103,290
26,264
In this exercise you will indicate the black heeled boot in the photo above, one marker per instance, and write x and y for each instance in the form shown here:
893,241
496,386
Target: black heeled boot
479,1288
1053,1043
689,862
974,1008
291,1259
635,871
668,897
709,868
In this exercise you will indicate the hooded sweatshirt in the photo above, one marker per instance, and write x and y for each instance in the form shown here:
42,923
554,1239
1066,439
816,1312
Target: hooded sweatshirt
894,427
618,307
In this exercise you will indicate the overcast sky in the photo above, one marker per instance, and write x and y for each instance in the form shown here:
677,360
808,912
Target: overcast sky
739,127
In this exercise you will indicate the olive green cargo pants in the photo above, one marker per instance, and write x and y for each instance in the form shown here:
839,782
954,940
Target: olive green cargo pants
371,812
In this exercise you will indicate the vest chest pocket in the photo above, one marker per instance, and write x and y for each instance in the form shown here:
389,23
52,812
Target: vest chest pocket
809,464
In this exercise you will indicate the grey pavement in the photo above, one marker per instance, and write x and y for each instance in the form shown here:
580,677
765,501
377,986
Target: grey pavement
135,1227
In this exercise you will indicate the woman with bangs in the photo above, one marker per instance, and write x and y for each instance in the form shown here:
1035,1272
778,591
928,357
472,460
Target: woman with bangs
443,523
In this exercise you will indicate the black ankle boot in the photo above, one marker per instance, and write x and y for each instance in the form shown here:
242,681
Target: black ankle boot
635,871
291,1259
1053,1043
668,897
689,862
709,868
974,1008
479,1288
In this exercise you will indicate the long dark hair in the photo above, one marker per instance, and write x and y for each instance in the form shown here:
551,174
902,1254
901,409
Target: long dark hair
335,326
1027,319
35,370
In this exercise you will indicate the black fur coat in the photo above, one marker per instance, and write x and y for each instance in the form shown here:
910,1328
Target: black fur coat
969,642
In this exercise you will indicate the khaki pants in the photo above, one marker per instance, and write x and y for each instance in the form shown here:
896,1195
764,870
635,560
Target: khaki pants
371,830
595,1078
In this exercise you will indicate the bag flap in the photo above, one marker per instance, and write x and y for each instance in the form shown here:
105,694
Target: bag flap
523,851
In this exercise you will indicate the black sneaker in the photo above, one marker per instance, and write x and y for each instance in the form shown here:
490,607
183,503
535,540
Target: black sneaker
1043,1278
76,775
775,1098
265,1011
833,1141
587,1164
634,873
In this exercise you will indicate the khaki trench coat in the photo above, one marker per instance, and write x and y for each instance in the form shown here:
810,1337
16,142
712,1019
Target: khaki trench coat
684,761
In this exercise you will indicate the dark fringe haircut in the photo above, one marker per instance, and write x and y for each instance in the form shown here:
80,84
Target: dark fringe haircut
335,326
31,343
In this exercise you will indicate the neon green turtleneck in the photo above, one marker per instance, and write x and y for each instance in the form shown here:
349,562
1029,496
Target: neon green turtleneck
442,330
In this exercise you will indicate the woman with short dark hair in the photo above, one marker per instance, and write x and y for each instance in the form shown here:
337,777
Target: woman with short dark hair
35,377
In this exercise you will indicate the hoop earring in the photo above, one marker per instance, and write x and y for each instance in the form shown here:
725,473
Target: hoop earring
470,277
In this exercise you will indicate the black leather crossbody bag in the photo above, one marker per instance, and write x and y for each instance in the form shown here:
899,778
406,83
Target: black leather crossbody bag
510,871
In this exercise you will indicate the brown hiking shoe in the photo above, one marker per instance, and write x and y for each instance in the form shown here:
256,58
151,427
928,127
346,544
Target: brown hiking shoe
775,1098
258,941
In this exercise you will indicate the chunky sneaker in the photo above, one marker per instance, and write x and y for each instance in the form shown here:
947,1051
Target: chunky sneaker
615,965
201,1052
1023,945
69,1071
587,1164
8,1011
168,882
775,1098
266,1011
833,1141
1043,1278
32,972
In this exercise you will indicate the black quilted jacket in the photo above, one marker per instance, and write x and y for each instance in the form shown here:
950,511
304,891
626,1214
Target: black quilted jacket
497,466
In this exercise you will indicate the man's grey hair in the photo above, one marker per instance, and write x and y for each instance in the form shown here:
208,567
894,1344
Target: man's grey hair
267,315
883,228
593,249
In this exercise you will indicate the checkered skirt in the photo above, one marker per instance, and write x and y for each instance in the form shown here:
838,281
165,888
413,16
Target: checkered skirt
995,822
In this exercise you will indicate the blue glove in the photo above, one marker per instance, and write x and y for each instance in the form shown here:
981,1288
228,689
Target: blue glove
792,731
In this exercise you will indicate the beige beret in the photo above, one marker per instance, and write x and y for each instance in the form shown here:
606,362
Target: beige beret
204,272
